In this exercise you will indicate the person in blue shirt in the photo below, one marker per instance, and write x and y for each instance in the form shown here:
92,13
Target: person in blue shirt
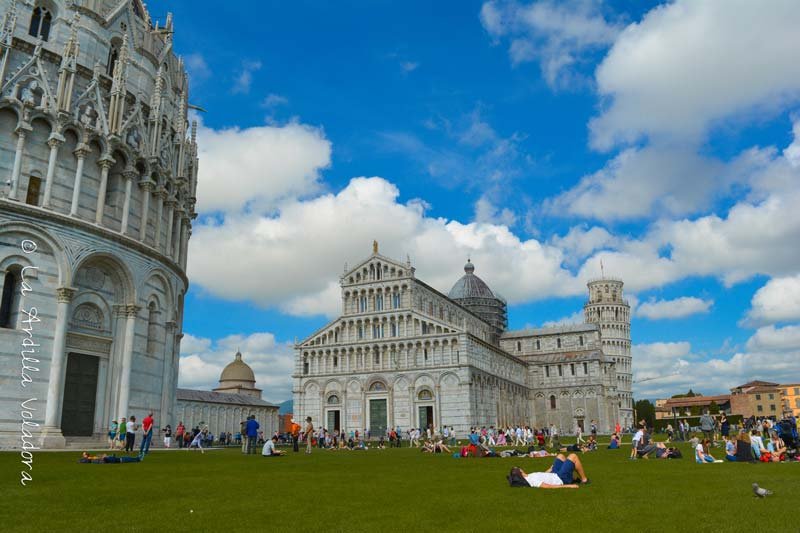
251,429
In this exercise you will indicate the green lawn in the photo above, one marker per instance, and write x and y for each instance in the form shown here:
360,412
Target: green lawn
397,490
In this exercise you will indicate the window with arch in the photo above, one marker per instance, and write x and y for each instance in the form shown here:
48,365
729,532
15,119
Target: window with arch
396,300
9,300
394,329
425,353
152,327
425,395
305,366
379,302
333,399
41,19
552,401
335,361
378,386
362,304
376,357
34,186
113,55
360,332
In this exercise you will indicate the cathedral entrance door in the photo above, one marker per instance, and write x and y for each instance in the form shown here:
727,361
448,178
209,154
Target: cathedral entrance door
425,416
80,391
377,417
333,420
579,423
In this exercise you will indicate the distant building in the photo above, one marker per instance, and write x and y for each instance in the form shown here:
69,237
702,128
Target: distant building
757,398
224,408
404,354
791,399
692,406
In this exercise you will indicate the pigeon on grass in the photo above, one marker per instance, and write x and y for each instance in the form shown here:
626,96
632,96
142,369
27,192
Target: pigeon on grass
761,493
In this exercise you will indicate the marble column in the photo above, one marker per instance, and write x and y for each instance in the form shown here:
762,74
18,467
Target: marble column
54,143
128,175
105,165
176,252
161,193
170,221
55,386
81,152
131,312
185,234
21,136
146,186
167,395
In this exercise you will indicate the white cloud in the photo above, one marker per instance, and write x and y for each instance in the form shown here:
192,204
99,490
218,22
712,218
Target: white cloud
487,212
688,65
244,78
409,66
197,67
677,369
292,259
580,242
777,301
792,152
575,318
671,309
258,166
772,338
556,34
273,100
643,183
202,362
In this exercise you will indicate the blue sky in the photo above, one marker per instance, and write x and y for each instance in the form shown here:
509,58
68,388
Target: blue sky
539,138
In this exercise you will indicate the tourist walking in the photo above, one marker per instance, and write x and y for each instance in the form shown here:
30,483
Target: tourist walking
309,434
252,434
295,432
112,434
130,434
147,433
579,434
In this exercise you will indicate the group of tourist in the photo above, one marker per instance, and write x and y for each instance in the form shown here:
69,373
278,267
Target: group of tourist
122,434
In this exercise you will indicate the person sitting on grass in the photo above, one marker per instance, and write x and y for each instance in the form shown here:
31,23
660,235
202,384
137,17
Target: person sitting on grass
777,448
744,450
269,449
730,448
559,476
614,444
662,451
757,444
701,454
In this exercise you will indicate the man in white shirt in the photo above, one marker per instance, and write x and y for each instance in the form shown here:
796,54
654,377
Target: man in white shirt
269,448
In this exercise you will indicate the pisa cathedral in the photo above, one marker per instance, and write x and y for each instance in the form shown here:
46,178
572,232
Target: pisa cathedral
404,354
99,172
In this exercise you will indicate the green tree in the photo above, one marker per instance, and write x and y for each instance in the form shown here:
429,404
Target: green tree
713,408
645,410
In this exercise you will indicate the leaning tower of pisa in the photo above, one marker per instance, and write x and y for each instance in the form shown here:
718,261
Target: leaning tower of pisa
607,308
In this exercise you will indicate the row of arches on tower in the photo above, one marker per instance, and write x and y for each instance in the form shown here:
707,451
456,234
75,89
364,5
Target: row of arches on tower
609,313
394,356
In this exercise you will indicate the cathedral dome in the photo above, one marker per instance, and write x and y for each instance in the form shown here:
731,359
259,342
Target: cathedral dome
237,370
470,286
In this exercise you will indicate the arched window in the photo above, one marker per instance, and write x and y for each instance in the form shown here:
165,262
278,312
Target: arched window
396,300
378,386
552,401
40,23
9,299
113,55
362,304
152,327
425,395
34,186
379,302
333,400
305,366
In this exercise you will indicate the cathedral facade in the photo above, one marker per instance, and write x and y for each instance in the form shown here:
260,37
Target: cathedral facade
99,172
404,354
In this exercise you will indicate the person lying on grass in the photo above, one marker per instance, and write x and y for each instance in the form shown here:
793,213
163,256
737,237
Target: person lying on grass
435,447
559,476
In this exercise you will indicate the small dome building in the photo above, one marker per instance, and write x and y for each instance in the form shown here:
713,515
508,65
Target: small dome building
224,408
238,378
475,295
